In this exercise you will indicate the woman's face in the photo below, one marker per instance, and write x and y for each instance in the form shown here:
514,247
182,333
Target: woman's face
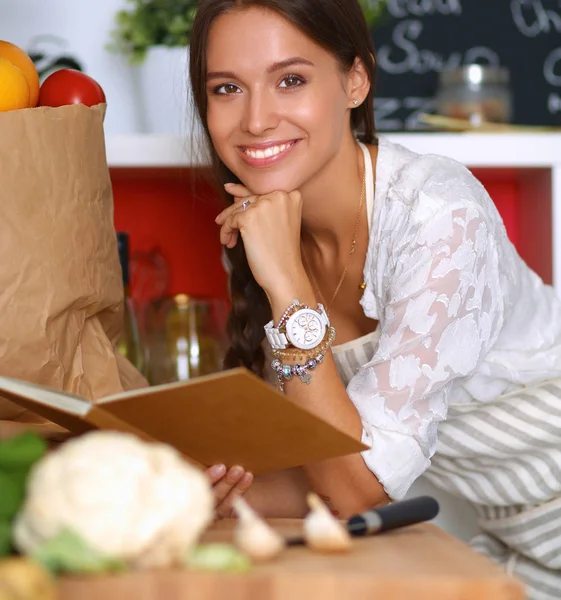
278,104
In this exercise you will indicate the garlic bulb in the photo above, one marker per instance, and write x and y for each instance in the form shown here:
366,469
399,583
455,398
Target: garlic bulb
253,536
322,531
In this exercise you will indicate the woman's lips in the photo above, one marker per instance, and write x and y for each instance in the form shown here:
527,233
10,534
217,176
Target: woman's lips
266,156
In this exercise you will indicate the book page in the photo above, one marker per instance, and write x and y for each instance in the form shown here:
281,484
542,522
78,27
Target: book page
36,395
155,390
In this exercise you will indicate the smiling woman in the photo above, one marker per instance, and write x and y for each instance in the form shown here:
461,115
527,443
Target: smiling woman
448,345
280,73
268,81
282,89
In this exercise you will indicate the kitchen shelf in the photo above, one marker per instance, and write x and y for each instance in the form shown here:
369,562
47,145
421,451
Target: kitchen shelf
532,160
513,150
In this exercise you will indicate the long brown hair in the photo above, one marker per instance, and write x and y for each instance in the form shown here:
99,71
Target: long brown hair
340,28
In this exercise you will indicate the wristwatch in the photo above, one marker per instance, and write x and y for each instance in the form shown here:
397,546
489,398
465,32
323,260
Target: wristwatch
305,328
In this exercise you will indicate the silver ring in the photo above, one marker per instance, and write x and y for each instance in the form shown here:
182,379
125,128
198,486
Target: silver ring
245,204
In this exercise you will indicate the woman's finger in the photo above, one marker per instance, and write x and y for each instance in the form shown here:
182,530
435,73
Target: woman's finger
215,473
238,201
224,214
230,229
227,483
237,189
241,488
226,508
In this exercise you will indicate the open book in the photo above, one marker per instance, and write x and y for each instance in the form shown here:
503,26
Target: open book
230,418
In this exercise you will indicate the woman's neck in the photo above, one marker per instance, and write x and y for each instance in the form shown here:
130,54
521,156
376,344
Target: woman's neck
331,200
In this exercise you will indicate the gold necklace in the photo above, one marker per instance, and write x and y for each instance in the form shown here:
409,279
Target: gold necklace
351,252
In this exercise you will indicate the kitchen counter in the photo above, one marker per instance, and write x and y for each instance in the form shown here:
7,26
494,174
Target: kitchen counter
416,563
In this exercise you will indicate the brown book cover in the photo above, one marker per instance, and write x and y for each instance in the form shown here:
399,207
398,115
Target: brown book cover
232,417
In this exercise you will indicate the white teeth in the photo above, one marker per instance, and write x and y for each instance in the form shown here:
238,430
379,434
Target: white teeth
268,153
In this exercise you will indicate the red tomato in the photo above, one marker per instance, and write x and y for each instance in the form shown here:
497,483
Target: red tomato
68,86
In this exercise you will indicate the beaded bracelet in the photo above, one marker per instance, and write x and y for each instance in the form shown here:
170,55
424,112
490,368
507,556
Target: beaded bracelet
297,355
300,371
287,312
293,307
311,359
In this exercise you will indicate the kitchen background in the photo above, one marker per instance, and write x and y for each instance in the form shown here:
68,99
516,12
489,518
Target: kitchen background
165,204
415,40
178,289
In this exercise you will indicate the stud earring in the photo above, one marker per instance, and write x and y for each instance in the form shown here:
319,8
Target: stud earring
355,102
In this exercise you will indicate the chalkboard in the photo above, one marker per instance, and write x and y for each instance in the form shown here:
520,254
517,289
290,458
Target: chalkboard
421,37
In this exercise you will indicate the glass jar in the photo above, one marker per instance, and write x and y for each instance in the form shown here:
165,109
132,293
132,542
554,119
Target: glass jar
476,93
186,338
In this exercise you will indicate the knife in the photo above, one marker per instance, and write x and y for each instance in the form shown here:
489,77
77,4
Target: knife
393,516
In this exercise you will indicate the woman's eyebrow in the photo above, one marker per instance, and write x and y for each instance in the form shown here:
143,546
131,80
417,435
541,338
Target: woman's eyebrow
283,64
289,62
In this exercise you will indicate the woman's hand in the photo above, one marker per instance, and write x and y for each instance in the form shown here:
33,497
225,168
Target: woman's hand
227,485
270,229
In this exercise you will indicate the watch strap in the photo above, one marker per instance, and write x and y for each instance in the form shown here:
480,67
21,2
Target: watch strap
277,340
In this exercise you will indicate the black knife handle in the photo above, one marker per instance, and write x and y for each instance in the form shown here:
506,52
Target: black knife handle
393,516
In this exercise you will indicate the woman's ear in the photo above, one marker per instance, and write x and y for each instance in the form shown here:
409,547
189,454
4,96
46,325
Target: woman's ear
358,83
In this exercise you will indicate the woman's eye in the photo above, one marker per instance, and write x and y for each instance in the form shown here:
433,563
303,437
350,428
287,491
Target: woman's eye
226,89
291,81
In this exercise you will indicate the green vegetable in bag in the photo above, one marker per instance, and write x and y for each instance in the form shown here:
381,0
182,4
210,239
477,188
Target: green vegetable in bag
5,537
19,453
17,456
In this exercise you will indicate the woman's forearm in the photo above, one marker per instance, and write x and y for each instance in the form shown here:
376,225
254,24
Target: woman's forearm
346,482
281,494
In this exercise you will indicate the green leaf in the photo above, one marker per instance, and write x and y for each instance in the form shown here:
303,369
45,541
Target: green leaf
149,23
5,538
218,557
374,11
67,552
21,451
11,496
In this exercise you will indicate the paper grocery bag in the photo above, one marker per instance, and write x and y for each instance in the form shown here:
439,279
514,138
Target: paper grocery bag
61,286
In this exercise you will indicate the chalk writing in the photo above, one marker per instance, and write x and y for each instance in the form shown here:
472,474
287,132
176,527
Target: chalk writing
419,8
532,18
404,56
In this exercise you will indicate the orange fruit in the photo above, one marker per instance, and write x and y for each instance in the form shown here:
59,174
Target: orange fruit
22,61
14,89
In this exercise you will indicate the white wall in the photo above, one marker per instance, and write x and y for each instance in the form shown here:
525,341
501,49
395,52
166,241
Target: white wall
86,26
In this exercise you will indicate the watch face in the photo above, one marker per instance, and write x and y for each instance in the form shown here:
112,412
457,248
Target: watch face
305,329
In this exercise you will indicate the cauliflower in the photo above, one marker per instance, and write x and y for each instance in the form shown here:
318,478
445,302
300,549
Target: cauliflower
136,501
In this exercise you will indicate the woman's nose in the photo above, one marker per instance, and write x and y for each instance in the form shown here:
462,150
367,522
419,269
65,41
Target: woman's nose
260,114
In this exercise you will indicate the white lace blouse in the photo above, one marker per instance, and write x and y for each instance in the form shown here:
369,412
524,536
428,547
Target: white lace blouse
461,316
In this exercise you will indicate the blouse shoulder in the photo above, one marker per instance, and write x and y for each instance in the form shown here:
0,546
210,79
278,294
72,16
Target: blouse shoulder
424,185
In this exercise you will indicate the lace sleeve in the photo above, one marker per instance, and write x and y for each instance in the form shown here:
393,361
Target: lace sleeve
442,309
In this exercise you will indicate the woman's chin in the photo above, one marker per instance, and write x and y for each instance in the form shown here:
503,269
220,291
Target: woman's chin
262,185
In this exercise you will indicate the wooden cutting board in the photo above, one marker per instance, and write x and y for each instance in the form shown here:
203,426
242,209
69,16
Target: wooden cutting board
420,562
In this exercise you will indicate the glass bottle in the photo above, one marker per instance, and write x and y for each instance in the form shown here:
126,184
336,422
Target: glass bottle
129,345
476,93
189,340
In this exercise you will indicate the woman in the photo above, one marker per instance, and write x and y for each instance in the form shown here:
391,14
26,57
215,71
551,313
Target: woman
439,323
